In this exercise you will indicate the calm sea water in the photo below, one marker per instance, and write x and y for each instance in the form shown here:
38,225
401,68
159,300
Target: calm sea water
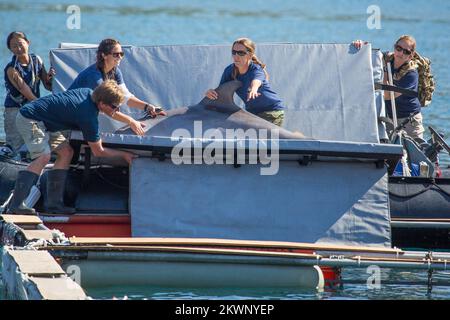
220,22
394,285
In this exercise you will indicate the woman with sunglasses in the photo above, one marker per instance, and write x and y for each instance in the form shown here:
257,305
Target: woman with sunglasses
406,76
109,56
255,91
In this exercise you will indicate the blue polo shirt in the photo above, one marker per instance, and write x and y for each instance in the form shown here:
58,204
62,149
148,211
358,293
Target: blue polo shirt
267,101
405,105
91,77
69,110
14,99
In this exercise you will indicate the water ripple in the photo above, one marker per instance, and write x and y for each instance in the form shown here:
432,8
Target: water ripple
184,11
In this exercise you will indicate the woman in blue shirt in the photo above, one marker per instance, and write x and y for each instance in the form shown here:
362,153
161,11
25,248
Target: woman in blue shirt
255,91
406,76
23,75
109,56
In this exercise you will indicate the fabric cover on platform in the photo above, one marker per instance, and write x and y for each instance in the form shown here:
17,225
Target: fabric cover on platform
344,203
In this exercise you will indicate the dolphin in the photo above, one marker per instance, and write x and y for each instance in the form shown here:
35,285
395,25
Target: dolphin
219,114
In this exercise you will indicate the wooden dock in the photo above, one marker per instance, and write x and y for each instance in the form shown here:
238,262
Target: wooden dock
34,274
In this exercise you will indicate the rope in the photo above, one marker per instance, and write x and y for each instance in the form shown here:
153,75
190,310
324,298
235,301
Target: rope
412,194
433,183
109,182
440,188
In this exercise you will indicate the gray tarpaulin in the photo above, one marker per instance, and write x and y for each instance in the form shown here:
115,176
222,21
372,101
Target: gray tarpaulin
286,146
336,203
327,88
329,94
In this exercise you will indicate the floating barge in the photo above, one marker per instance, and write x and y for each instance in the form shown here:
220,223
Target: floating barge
36,270
158,223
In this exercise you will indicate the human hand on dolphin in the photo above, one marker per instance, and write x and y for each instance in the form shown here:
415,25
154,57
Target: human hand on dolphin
137,127
212,94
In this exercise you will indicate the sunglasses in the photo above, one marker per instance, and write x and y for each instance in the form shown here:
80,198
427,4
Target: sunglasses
239,53
114,107
118,54
401,49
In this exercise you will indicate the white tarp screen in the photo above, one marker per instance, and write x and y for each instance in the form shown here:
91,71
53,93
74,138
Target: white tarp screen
327,88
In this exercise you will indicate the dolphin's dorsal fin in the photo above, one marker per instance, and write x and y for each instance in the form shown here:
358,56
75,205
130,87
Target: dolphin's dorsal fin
225,92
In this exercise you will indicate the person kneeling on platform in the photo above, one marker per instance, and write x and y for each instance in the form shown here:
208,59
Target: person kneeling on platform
71,110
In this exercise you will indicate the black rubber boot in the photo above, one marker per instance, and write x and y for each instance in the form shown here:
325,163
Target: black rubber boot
25,181
56,184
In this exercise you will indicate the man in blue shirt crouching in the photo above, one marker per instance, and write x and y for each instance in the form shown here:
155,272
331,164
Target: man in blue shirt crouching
71,110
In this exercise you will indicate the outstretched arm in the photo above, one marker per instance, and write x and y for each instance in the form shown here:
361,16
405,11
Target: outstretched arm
99,151
387,95
136,126
147,107
359,43
253,90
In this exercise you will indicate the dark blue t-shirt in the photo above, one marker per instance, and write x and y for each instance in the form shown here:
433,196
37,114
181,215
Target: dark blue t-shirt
91,77
69,110
30,75
267,101
405,105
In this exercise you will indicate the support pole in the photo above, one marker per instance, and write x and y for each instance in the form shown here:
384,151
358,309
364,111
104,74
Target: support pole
391,82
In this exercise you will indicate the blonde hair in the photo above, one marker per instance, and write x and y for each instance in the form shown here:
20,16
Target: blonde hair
108,92
251,48
409,39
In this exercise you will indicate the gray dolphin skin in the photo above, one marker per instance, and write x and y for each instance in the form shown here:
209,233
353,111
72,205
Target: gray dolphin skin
219,114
